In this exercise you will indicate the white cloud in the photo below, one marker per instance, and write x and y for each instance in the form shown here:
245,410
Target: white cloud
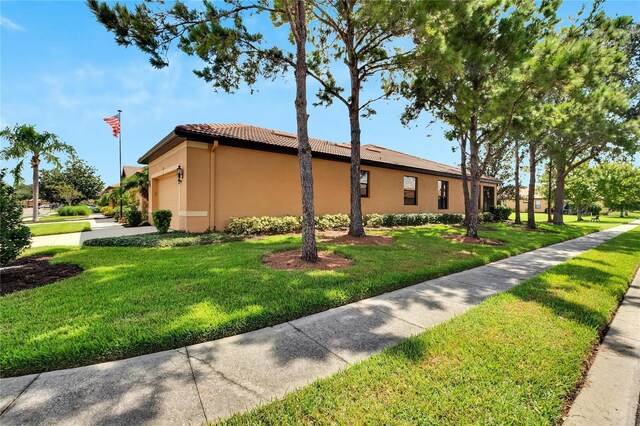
9,24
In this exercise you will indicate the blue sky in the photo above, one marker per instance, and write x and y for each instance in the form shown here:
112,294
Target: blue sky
62,71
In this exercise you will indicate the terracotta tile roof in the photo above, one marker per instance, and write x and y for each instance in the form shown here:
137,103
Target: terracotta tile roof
130,170
276,138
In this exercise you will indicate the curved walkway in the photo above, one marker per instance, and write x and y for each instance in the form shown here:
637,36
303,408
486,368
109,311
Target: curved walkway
211,380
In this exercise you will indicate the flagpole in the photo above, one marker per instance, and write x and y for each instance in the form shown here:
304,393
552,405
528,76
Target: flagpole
120,160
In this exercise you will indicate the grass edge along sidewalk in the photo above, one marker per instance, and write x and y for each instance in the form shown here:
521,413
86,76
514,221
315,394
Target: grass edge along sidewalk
133,301
42,229
517,358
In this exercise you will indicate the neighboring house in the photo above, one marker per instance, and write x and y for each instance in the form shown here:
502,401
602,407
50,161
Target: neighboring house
126,172
539,201
237,170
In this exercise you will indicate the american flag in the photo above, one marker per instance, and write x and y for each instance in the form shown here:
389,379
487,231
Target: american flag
114,122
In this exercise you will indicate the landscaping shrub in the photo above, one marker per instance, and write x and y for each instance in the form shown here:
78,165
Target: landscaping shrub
171,239
413,219
162,220
107,211
332,221
264,225
14,236
285,224
486,217
501,213
373,220
134,217
74,211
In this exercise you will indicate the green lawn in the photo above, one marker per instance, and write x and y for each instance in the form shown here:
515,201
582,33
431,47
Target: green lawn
515,359
132,301
58,228
56,218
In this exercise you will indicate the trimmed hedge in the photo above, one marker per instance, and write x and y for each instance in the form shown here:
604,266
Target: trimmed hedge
287,224
134,217
412,219
74,211
162,220
170,239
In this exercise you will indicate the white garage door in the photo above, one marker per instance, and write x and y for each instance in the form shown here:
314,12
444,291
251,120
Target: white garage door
168,197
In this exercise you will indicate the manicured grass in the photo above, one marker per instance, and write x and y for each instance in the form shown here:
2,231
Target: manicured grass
58,228
515,359
171,239
57,218
573,219
132,301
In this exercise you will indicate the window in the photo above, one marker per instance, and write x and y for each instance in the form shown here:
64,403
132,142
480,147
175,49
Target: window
443,194
538,204
410,185
364,183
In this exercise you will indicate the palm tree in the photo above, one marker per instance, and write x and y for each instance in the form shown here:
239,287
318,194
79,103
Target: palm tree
139,181
25,141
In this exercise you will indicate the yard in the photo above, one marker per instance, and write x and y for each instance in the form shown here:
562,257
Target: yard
515,359
54,217
38,230
131,301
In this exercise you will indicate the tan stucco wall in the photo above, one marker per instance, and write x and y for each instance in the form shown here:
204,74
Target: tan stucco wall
523,205
228,181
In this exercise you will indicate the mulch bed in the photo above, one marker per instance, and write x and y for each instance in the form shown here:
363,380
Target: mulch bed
291,261
33,271
369,240
470,240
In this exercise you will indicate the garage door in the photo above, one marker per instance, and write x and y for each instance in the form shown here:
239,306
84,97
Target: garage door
167,193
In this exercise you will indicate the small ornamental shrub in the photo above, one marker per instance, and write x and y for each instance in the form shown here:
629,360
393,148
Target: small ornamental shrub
14,236
486,217
502,213
373,220
162,220
332,221
107,211
134,217
74,211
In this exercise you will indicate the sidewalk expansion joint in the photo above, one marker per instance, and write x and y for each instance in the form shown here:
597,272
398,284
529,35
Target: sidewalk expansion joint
393,316
299,330
224,377
19,395
195,382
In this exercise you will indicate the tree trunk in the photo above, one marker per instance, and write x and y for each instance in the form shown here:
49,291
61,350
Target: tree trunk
465,180
309,249
518,220
549,220
356,226
531,213
472,223
621,212
558,204
579,213
35,164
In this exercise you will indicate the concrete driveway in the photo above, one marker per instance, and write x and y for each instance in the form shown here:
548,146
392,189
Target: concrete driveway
100,227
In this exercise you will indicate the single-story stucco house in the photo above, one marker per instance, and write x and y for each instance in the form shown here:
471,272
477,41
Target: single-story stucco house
539,201
208,173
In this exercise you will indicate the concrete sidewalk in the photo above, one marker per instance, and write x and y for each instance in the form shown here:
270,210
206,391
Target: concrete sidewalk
211,380
611,391
101,227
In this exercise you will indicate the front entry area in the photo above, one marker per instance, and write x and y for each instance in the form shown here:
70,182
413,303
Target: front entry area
488,197
166,196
